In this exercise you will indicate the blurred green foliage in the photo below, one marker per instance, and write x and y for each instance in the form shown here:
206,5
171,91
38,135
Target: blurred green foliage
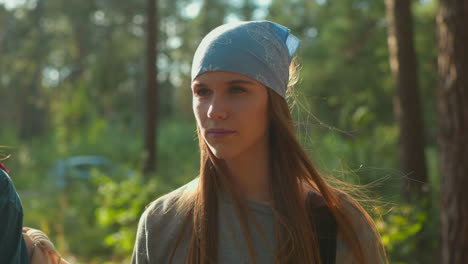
72,82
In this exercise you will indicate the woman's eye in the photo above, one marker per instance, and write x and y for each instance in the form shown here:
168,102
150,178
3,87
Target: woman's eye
202,92
236,89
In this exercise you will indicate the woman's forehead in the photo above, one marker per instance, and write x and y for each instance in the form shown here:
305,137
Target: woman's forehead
223,77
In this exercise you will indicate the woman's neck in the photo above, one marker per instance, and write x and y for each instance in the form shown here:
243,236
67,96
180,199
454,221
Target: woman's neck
250,174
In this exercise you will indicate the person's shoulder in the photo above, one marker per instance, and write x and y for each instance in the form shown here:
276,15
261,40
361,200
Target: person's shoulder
6,185
351,207
8,194
164,217
4,178
347,205
364,228
361,221
168,204
161,223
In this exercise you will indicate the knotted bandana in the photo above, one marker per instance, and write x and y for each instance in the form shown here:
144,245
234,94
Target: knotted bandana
261,50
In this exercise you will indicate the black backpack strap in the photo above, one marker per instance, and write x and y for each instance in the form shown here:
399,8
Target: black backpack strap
325,225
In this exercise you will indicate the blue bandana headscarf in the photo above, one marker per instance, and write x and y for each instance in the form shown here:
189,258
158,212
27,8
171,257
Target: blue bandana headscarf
261,50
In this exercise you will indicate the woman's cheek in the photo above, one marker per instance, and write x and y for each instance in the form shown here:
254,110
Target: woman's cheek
198,111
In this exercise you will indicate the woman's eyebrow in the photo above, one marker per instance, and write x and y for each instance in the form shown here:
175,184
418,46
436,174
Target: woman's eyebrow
240,82
198,85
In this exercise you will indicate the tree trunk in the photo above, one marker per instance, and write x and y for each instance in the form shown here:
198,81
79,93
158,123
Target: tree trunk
4,17
452,23
32,122
151,111
407,101
81,31
407,107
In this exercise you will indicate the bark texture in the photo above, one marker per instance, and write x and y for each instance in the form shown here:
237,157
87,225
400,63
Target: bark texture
151,106
407,102
452,25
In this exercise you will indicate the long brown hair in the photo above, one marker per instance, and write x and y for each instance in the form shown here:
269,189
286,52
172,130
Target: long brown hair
291,171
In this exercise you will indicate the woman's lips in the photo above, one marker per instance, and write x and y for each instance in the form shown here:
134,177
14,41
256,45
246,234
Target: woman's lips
219,133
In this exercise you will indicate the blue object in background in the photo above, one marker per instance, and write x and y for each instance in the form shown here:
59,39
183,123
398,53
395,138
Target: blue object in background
81,167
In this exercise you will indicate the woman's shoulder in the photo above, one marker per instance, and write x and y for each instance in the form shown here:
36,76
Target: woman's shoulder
361,221
168,205
363,227
160,224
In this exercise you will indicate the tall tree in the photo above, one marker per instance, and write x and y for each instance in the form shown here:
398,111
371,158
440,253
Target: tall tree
407,106
151,113
3,19
32,120
407,103
452,20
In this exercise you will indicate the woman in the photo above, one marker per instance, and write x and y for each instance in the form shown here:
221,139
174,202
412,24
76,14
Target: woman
258,198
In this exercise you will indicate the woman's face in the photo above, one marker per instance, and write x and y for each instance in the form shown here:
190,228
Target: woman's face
231,111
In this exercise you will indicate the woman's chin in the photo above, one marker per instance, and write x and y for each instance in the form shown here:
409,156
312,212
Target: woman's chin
222,153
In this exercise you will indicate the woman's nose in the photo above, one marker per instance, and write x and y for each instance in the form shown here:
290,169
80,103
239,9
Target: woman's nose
217,109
